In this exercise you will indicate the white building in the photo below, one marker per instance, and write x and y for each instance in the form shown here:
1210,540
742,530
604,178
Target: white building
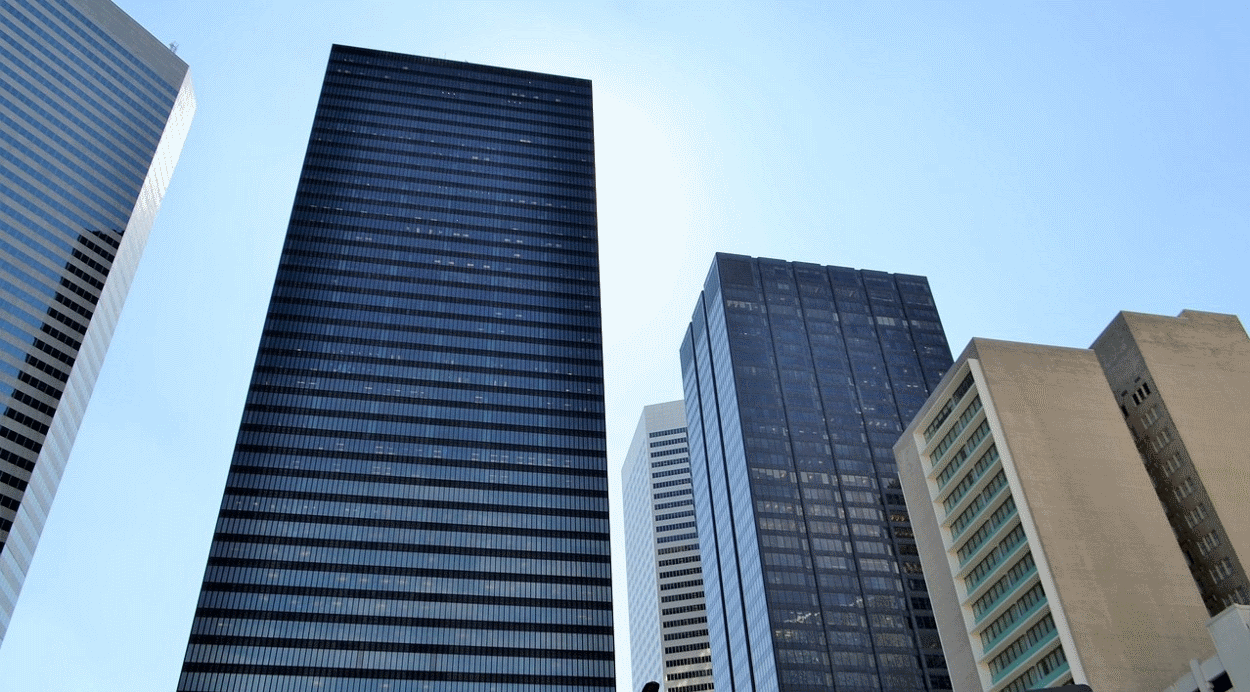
668,636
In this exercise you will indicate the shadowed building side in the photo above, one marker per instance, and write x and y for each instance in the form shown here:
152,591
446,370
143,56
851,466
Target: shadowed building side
1183,384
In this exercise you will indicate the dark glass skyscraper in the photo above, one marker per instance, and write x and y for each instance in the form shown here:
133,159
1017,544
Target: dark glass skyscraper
418,495
94,111
798,381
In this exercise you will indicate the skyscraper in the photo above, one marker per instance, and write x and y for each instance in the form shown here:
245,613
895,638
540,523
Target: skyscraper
798,379
668,640
1047,555
94,111
418,495
1183,384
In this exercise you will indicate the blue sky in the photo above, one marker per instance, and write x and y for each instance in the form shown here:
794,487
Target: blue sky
1044,164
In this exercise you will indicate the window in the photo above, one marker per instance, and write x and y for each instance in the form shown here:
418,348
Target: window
1222,570
1173,462
1161,439
1152,415
1196,515
1142,392
1209,542
1186,488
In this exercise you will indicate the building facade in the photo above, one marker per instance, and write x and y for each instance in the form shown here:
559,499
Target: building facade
1046,553
668,638
798,379
1182,384
94,111
418,495
1229,668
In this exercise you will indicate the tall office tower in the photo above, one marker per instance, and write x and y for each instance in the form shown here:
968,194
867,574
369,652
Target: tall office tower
668,639
797,380
1183,384
1045,550
93,115
418,495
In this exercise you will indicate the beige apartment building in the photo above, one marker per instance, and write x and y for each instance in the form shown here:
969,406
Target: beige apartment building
1183,387
1047,556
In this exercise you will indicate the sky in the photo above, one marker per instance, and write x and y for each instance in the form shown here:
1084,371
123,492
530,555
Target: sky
1046,165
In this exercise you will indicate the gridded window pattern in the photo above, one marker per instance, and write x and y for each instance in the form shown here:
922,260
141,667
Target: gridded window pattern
1053,665
798,381
418,495
93,113
1042,631
1195,516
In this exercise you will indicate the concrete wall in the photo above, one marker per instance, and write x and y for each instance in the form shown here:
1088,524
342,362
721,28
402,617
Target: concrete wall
1199,362
1117,571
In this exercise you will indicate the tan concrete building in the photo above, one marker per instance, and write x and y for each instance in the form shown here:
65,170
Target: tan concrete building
1047,557
1183,385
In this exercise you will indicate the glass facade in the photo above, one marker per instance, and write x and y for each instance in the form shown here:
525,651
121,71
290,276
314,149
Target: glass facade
798,381
418,495
93,115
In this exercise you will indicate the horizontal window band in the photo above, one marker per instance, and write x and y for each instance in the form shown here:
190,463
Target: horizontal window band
385,570
307,201
413,252
417,242
470,340
444,676
317,231
331,378
433,67
331,132
367,176
332,435
587,286
488,97
423,96
348,645
353,307
308,362
422,421
570,94
274,493
314,519
398,621
311,394
289,270
584,235
343,106
531,207
272,451
275,589
480,168
409,344
405,480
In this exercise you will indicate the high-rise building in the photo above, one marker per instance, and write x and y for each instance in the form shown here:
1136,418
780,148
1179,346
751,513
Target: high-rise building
94,111
418,495
1183,384
1048,559
668,640
798,379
